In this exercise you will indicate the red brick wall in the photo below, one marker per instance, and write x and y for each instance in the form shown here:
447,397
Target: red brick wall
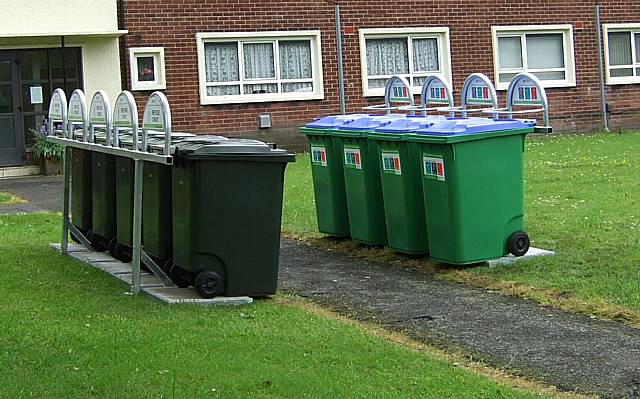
173,24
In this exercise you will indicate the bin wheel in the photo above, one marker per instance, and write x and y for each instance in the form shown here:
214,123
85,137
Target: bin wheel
97,243
208,284
119,251
175,274
519,243
75,239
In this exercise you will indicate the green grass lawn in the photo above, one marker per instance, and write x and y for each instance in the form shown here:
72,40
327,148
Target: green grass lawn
582,201
68,331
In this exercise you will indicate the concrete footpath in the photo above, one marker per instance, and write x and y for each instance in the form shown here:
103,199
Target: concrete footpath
573,352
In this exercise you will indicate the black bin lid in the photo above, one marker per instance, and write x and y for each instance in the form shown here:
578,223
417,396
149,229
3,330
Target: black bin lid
216,147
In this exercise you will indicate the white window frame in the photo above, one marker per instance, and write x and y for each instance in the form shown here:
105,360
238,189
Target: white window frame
621,80
444,54
521,31
261,37
158,68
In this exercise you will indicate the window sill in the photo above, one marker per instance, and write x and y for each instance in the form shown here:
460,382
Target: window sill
549,85
257,99
148,87
623,81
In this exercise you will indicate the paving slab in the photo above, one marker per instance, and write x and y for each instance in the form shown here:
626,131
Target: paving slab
573,352
532,253
175,295
149,283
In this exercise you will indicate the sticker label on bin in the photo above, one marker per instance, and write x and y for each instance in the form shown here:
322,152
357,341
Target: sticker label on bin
319,156
391,163
352,157
433,167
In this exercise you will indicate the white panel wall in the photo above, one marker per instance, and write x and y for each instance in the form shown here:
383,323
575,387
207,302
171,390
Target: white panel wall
51,17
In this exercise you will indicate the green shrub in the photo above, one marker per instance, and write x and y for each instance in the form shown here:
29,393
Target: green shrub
45,149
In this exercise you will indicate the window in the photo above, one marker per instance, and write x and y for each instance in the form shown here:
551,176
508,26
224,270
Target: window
259,67
622,53
147,68
546,51
413,53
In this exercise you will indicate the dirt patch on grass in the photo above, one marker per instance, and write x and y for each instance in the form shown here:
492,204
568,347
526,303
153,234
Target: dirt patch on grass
10,199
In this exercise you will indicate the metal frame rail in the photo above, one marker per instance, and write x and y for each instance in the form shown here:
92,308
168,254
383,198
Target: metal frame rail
65,122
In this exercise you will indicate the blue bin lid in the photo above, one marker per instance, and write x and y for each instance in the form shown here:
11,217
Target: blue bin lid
410,124
372,122
332,122
460,126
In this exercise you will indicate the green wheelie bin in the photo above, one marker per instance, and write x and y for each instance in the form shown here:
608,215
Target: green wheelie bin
327,173
473,185
402,184
81,198
156,203
103,193
361,167
227,211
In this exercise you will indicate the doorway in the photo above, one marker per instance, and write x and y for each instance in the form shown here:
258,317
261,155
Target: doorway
11,141
27,79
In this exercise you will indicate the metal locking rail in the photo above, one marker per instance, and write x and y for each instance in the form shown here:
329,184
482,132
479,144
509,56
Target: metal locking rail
435,90
527,93
397,90
476,91
157,117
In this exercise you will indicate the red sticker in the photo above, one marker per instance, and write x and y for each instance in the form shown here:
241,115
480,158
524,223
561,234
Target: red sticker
440,170
397,163
485,92
357,159
534,93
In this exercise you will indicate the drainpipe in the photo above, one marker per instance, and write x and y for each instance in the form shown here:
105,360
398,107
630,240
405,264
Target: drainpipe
64,66
343,100
123,45
603,98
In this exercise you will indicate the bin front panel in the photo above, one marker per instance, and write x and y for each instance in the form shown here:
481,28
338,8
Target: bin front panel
124,200
234,222
474,197
103,174
364,191
81,208
403,198
328,185
156,211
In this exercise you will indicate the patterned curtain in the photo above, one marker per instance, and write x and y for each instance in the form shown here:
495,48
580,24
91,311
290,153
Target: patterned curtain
259,61
221,62
295,63
387,57
425,55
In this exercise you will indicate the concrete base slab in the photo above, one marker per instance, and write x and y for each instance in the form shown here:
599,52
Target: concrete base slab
19,171
531,254
146,279
72,247
189,295
115,267
149,283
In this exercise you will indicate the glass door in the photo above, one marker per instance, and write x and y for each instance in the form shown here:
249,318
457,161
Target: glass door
11,136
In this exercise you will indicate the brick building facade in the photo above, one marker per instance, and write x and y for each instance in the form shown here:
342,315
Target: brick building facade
465,39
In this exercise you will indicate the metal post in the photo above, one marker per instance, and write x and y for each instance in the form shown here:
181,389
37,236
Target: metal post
343,100
137,224
66,195
603,96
